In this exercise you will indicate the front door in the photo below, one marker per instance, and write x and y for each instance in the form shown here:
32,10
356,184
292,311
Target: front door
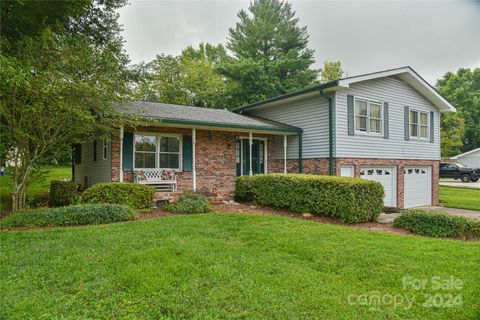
243,157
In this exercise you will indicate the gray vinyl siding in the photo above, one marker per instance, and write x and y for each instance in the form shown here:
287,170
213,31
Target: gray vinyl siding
310,114
398,94
96,171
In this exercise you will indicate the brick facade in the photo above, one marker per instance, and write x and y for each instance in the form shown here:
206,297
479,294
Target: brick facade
321,166
216,164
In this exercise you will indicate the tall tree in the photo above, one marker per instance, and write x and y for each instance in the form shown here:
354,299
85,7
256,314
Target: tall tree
270,53
190,78
332,70
462,89
55,83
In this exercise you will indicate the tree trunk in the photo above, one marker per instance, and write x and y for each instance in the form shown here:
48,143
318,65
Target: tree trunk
20,188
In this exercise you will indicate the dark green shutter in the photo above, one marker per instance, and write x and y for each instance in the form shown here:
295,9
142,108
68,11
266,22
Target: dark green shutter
406,123
351,115
127,152
77,153
432,129
385,120
187,153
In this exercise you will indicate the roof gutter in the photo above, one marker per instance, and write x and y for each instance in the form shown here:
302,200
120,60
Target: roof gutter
330,131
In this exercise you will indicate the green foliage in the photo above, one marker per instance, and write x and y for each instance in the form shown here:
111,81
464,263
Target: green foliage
462,89
351,200
64,193
62,66
137,196
263,266
189,79
68,216
38,189
332,70
438,224
190,202
452,131
461,198
270,53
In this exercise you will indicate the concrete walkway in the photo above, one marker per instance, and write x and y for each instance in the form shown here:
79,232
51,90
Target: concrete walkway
459,184
456,212
389,217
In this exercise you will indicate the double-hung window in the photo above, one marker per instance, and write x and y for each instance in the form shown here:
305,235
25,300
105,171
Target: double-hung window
418,124
157,151
368,116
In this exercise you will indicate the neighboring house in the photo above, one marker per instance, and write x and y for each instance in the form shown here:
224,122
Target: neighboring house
383,126
470,159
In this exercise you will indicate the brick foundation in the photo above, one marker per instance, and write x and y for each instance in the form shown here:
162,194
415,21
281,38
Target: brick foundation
321,166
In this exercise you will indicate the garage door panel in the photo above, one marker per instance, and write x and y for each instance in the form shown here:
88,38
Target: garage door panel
417,186
387,177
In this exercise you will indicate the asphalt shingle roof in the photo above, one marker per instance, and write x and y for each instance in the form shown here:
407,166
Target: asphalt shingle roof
165,111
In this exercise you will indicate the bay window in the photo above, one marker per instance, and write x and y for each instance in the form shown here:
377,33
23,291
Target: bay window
368,116
157,151
418,124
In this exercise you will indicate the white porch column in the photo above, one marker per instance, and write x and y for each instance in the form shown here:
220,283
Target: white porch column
121,155
285,153
250,143
194,172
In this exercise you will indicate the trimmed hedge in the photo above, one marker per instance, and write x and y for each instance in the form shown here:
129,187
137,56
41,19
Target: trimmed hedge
64,193
137,196
351,200
438,224
69,216
190,202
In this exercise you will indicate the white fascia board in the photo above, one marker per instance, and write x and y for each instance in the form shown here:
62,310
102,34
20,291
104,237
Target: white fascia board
408,75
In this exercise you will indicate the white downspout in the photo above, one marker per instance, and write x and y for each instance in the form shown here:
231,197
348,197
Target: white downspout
285,153
121,154
194,171
250,143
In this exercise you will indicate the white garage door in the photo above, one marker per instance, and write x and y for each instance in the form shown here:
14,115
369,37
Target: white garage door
418,186
387,177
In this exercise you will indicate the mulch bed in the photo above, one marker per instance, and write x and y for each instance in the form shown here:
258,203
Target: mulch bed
245,208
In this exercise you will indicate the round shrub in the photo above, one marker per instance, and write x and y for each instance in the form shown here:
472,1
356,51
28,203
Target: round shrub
64,193
351,200
438,224
190,202
69,216
137,196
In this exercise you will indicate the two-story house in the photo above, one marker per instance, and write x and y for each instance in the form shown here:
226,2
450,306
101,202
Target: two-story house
383,126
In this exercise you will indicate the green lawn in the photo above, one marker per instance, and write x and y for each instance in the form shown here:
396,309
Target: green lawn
40,183
462,198
229,266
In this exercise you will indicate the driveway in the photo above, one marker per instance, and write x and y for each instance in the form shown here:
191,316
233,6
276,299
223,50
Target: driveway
459,184
474,214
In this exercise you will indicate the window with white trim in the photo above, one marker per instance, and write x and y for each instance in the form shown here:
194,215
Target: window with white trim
418,124
368,116
157,151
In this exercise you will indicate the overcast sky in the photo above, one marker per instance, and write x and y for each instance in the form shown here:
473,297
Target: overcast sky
433,37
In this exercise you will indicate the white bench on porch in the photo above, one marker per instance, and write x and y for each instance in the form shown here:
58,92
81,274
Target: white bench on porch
161,179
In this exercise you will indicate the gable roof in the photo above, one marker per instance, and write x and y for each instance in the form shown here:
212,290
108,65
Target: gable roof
197,116
407,74
464,154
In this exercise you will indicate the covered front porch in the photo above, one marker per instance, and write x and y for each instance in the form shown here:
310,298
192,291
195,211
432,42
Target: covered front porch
178,154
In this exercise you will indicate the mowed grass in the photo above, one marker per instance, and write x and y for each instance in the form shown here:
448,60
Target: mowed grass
40,183
461,198
221,266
